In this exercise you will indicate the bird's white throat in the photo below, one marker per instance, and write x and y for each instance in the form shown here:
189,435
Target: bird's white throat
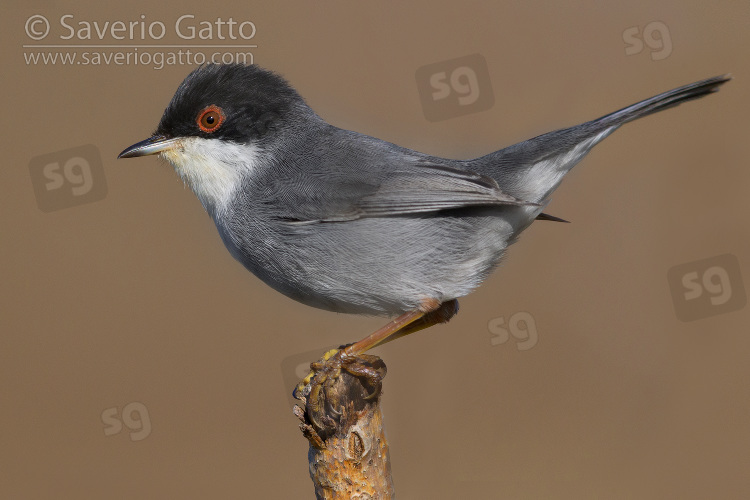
213,168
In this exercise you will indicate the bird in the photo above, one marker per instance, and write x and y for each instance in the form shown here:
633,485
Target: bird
350,223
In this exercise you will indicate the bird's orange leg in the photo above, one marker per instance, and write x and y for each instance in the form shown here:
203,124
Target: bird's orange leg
325,371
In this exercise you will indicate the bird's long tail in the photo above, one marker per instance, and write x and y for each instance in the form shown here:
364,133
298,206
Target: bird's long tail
666,100
532,169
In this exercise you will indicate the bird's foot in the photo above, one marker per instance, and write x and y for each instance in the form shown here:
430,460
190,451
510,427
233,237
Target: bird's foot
318,391
323,396
303,387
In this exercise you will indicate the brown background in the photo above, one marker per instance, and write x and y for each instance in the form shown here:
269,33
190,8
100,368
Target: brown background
134,299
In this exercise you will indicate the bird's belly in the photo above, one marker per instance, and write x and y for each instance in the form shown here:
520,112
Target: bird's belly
376,266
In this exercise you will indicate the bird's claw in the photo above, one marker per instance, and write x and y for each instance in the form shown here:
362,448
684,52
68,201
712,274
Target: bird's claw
316,389
303,388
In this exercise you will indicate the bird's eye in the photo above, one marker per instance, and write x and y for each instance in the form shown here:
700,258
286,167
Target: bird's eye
210,118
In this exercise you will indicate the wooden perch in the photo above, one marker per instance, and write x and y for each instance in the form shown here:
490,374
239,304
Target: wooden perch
340,413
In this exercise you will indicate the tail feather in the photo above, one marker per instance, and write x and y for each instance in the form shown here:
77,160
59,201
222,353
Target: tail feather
532,169
666,100
543,216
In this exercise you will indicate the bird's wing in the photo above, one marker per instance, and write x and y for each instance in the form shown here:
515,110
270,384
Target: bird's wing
413,189
432,188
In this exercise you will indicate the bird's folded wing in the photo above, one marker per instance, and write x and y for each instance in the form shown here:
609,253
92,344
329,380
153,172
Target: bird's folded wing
425,188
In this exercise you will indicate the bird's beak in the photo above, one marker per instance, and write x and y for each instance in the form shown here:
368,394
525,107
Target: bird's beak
151,146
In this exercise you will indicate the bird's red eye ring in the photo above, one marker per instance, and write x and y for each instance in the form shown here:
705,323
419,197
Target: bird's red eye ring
210,119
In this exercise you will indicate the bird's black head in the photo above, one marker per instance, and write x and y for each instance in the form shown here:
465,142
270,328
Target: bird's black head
228,101
221,125
233,102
